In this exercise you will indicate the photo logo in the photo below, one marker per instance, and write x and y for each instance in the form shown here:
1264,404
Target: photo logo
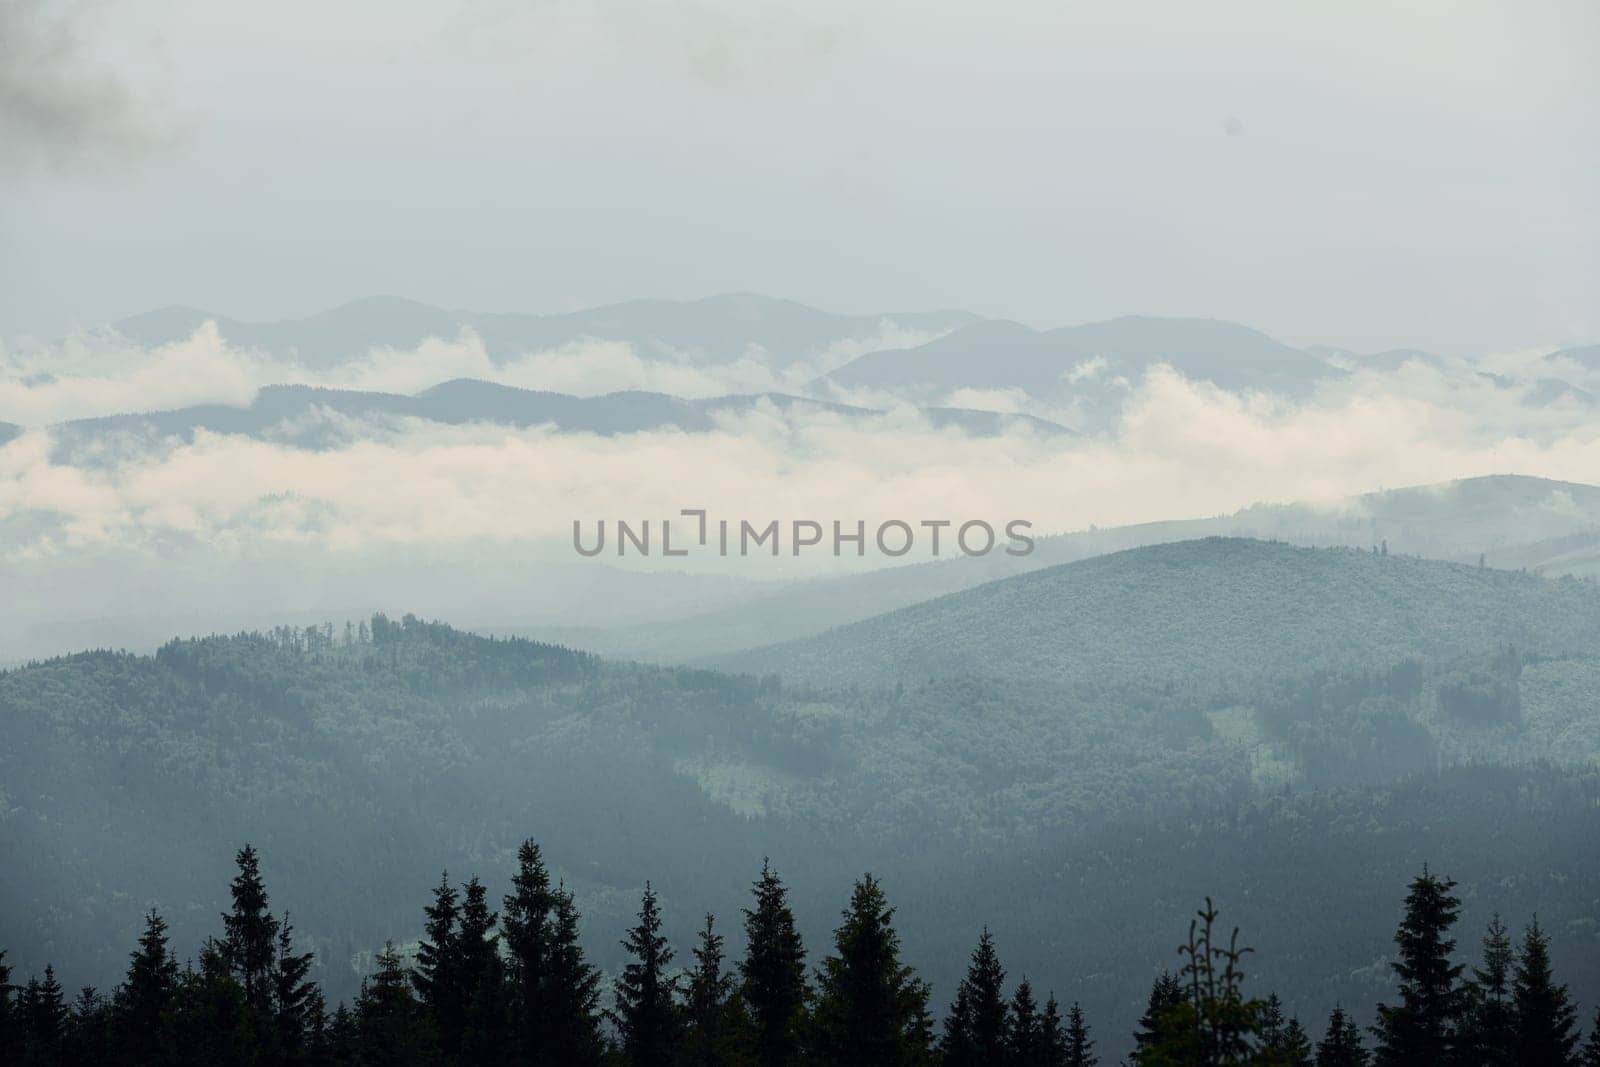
894,538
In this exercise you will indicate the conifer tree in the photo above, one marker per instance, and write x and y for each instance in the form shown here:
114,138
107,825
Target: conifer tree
88,1038
1423,1027
480,976
386,1026
709,1004
43,1008
145,1002
955,1046
871,1008
1590,1056
975,1027
529,928
1341,1044
250,933
1077,1050
1490,1036
1282,1041
9,1038
773,986
343,1043
572,992
647,1011
1166,994
1025,1037
1296,1044
296,1002
1546,1018
435,975
214,1022
1272,1024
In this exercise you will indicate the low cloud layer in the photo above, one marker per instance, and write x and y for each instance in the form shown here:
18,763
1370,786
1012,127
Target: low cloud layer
99,373
473,523
1178,448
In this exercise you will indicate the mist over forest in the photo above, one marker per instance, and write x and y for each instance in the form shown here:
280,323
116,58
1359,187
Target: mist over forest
1293,706
727,533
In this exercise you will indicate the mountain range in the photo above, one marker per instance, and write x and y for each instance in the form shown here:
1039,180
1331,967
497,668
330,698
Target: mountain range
997,354
713,330
312,417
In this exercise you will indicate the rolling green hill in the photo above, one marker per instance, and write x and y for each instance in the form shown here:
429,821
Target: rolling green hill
1200,614
1511,522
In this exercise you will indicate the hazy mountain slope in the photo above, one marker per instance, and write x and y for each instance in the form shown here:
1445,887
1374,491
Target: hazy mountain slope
1514,522
320,418
713,330
1586,356
1008,355
8,431
360,770
1196,613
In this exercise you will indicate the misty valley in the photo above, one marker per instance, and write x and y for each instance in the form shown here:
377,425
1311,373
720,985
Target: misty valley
1070,759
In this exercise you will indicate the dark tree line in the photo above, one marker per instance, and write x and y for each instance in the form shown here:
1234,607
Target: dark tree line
513,986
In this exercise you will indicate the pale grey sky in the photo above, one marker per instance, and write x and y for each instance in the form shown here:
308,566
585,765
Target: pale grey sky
1366,174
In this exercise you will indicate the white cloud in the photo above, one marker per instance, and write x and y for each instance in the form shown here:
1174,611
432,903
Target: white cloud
1179,448
99,373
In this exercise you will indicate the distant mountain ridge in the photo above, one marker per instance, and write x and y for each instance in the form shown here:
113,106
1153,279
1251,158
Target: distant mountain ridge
297,413
1509,521
1008,355
712,330
1199,614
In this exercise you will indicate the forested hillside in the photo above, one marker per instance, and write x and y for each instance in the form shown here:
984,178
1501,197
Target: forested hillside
1506,522
1236,756
1198,614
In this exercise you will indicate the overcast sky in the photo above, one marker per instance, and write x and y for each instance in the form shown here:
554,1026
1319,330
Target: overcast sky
1365,174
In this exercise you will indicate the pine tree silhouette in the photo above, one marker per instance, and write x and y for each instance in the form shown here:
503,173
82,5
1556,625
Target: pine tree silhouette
1490,1034
436,973
145,1002
480,976
709,1004
1025,1038
1166,994
10,1038
1272,1024
296,1002
974,1030
43,1008
773,985
646,1012
89,1038
215,1023
1341,1044
1590,1056
250,933
387,1025
1423,1027
1546,1018
1296,1044
572,992
529,933
1078,1049
871,1008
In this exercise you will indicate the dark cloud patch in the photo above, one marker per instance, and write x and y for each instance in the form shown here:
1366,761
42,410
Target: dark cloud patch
61,109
